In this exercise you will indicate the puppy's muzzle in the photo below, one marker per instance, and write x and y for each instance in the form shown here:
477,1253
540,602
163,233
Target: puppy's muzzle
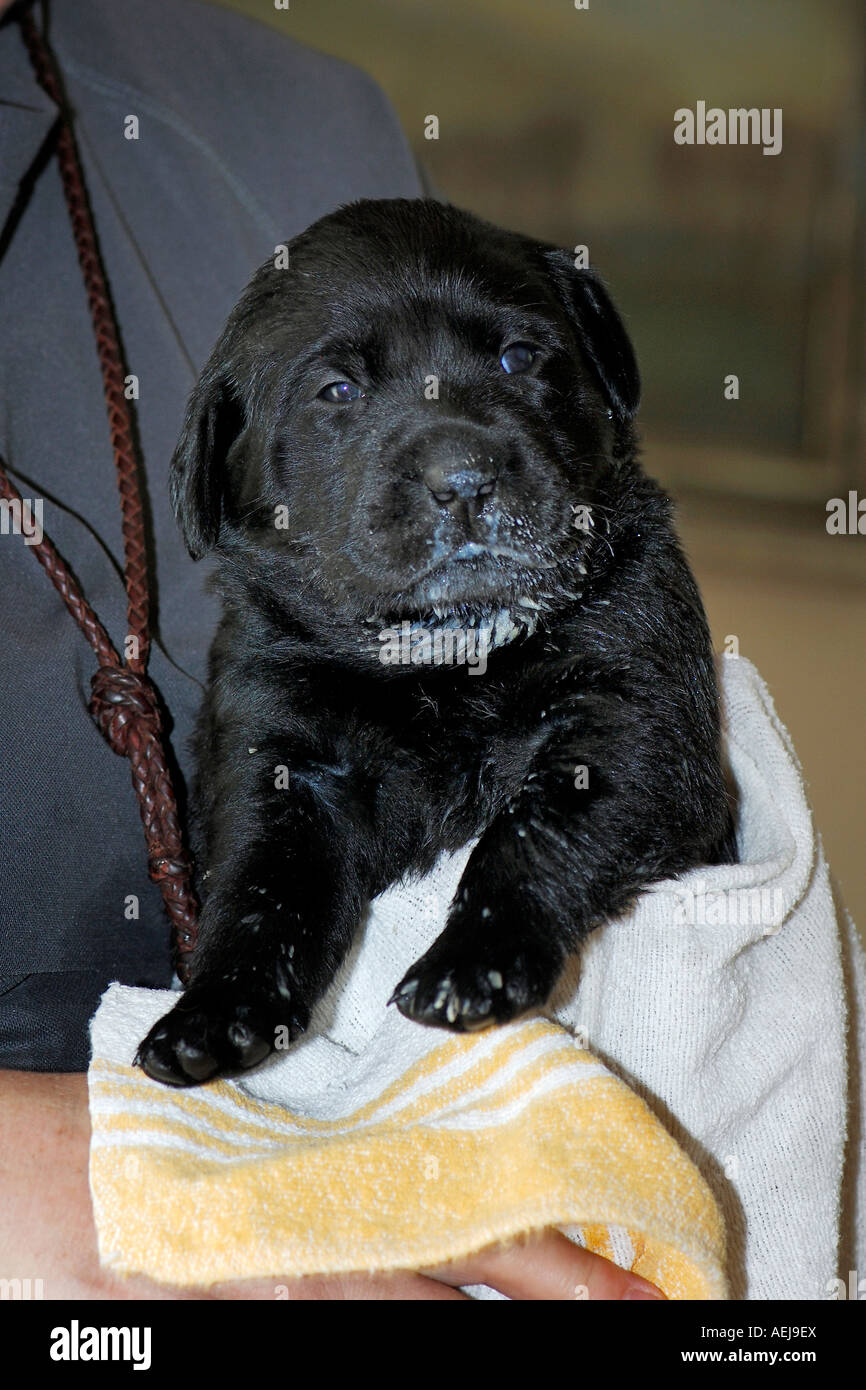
459,471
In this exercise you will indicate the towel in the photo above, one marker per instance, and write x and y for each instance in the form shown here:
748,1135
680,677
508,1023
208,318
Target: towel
689,1074
424,1148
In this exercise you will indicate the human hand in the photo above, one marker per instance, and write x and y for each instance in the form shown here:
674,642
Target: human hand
47,1231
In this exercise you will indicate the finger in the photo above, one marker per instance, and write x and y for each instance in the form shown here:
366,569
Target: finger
404,1285
401,1285
546,1265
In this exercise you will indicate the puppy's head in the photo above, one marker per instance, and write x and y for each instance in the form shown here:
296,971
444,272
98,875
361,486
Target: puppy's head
410,410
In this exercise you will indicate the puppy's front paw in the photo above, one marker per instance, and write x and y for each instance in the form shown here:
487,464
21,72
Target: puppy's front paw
210,1034
447,991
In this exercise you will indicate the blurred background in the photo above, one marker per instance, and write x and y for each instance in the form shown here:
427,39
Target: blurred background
559,122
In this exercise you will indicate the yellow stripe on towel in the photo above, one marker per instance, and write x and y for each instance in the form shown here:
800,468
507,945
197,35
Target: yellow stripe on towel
484,1137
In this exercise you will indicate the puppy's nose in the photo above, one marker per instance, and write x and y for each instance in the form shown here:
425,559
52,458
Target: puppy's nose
458,481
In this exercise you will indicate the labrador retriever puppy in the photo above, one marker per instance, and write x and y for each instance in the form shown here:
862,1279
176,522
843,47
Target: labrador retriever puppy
454,609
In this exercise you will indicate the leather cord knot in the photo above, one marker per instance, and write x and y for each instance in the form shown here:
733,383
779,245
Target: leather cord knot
124,706
123,702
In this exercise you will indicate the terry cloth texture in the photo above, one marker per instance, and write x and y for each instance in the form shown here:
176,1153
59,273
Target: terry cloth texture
697,1047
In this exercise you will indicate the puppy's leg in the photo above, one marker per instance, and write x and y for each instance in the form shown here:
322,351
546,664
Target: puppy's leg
505,942
284,898
566,854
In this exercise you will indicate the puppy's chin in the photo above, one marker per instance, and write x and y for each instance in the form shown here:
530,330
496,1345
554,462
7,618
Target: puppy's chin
461,590
498,598
499,591
464,586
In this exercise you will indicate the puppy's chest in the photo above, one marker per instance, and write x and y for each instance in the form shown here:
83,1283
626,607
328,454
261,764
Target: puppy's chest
458,762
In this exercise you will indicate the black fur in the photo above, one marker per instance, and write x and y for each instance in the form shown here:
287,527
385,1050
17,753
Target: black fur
454,510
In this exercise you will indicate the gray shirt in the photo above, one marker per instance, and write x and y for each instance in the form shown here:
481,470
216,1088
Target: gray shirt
244,138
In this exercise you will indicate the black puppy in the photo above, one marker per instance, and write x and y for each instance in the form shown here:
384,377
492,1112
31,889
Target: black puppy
454,606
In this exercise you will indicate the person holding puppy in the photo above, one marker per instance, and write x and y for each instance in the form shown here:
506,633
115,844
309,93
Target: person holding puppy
205,141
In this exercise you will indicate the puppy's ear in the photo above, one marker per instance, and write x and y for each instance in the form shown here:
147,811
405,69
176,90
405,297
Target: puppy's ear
213,421
601,331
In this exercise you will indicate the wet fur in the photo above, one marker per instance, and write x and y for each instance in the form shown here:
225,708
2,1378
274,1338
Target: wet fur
387,766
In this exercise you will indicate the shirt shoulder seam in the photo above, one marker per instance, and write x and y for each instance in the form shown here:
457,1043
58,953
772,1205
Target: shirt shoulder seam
110,87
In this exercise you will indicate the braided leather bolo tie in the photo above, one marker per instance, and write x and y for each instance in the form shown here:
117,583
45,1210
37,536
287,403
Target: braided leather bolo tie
123,703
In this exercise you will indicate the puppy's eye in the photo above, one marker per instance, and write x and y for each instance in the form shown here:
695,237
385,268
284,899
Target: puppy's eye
519,357
341,392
